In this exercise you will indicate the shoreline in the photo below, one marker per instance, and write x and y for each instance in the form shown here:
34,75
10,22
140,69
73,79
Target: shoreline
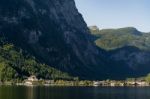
34,81
75,84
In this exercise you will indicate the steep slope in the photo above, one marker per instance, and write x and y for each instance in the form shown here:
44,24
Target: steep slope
126,45
54,32
134,58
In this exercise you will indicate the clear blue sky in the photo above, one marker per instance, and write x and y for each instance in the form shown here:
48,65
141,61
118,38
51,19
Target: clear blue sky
116,13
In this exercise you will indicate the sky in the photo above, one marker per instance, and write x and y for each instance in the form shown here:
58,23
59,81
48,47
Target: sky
116,13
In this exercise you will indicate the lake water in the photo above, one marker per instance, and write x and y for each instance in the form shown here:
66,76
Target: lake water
9,92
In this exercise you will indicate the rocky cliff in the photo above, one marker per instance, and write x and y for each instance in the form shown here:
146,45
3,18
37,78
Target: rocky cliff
54,32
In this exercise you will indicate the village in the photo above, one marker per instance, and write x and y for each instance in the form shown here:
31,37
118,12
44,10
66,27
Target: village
121,83
34,81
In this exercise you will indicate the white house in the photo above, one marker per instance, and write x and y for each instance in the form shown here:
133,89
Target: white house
32,78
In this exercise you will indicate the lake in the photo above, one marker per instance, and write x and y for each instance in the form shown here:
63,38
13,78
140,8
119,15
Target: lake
22,92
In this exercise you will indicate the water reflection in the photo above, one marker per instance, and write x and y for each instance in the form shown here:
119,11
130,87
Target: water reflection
14,92
30,92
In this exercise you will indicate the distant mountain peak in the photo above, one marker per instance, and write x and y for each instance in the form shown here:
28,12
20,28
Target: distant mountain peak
129,30
94,27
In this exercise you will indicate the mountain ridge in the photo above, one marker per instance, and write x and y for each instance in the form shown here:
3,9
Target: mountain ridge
128,36
55,33
128,46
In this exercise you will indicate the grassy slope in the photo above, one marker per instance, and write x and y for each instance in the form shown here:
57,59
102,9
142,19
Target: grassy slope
110,39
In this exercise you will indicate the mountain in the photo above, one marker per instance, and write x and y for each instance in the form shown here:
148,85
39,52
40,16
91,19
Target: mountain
126,45
116,38
54,32
49,39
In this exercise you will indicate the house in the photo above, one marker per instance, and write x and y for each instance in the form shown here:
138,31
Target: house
121,84
142,83
32,78
96,83
28,83
112,84
100,83
131,83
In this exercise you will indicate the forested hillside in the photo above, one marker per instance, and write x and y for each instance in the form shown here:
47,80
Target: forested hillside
110,39
17,64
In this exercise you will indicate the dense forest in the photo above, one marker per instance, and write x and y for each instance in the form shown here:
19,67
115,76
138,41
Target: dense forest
16,63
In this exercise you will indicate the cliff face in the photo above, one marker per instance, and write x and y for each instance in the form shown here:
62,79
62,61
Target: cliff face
53,31
136,59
